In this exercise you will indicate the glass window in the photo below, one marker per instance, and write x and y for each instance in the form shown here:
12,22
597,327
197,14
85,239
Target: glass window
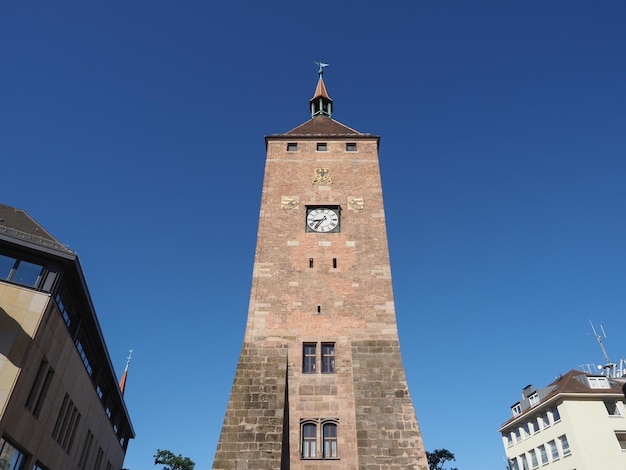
516,409
292,147
518,435
526,430
554,450
533,399
543,454
621,438
10,457
309,440
351,147
6,265
612,408
330,441
514,465
524,462
556,416
533,458
564,445
27,274
537,424
545,421
322,147
328,358
598,382
308,359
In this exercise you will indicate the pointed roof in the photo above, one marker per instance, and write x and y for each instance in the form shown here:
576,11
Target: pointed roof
322,125
16,223
125,374
320,89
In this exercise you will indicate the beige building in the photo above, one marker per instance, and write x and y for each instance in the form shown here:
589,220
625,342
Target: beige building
60,404
320,382
578,422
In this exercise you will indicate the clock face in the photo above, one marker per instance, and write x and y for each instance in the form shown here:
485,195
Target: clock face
323,219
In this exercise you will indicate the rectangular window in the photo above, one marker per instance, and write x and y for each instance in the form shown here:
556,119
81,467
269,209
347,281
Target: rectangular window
516,409
509,439
27,274
621,438
330,441
556,416
545,421
38,391
292,147
11,458
518,434
39,466
524,462
321,147
309,441
334,263
308,358
351,147
598,382
66,424
612,408
533,458
526,430
328,358
513,464
537,424
6,266
310,262
564,445
533,399
84,456
543,454
99,455
554,450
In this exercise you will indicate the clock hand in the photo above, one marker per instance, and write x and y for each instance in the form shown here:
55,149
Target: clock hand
320,221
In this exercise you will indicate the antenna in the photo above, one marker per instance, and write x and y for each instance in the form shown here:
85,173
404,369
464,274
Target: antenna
608,364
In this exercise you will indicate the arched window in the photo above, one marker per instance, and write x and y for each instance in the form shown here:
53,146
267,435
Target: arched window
309,441
330,441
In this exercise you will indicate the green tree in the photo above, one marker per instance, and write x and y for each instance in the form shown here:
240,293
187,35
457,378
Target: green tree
173,462
438,458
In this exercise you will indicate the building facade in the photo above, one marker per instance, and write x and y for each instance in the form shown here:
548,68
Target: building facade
578,422
320,382
60,404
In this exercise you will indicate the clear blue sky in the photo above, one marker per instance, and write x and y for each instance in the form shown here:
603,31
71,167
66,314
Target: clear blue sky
133,131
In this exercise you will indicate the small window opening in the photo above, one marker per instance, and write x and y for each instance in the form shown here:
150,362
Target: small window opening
310,262
319,309
334,263
321,147
351,147
292,147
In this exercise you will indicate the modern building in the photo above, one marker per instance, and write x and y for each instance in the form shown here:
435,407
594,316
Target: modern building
578,422
60,404
320,382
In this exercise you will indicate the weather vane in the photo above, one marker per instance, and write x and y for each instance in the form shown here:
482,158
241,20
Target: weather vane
321,66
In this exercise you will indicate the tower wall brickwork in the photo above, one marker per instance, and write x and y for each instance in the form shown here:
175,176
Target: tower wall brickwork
317,293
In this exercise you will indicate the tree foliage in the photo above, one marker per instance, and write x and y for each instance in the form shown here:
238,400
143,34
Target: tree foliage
173,462
438,458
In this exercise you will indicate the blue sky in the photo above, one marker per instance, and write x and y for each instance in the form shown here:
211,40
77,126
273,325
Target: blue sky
133,131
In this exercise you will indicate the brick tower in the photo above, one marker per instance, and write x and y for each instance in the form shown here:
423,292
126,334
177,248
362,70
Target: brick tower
320,382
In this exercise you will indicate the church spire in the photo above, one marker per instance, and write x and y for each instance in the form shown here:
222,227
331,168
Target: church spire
125,374
321,104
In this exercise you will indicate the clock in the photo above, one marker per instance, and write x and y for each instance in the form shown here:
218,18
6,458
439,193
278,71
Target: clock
322,219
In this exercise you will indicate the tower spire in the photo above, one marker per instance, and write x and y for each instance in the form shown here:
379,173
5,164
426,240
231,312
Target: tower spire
125,374
321,104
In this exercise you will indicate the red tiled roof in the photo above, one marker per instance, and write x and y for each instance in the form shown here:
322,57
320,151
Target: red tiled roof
322,125
571,383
